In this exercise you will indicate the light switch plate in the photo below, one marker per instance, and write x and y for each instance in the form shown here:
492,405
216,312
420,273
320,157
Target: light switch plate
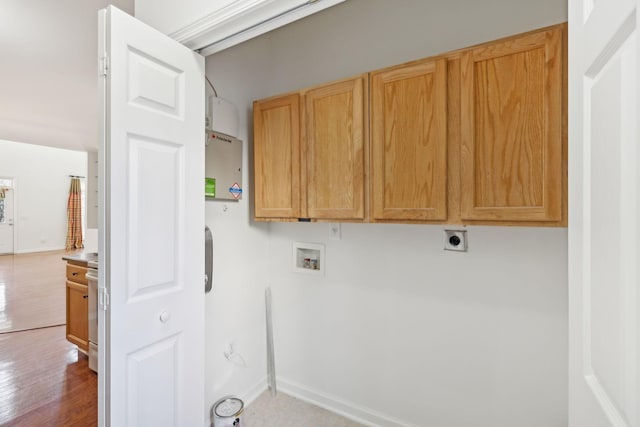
455,240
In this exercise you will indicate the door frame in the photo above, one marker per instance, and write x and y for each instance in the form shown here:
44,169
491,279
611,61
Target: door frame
14,188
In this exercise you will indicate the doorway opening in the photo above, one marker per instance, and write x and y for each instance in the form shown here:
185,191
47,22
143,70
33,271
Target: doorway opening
7,214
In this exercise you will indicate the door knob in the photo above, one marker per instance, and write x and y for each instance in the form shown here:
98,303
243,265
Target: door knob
164,316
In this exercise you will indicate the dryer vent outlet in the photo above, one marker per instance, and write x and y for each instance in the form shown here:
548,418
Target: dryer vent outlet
455,240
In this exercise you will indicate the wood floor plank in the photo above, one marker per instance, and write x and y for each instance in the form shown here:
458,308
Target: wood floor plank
44,380
32,290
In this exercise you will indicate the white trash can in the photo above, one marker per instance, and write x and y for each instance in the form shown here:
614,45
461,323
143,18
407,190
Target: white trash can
227,411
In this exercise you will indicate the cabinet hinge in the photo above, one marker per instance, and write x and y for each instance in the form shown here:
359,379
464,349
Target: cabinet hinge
103,299
103,67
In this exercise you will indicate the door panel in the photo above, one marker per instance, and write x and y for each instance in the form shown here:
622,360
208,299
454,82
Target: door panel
409,141
151,253
77,327
604,229
277,156
144,375
512,130
335,156
156,168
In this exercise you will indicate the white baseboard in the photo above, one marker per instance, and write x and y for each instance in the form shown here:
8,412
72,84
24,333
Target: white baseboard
252,394
30,251
360,414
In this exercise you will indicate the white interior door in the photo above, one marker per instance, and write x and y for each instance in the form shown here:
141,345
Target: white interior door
151,227
604,221
6,222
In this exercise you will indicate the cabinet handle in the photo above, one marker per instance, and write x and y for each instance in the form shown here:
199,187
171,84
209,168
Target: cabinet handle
85,296
75,273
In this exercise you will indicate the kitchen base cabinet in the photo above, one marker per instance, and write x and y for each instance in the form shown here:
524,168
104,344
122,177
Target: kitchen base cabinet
77,299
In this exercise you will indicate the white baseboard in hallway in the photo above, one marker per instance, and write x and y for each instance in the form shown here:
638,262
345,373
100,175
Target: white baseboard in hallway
38,250
365,416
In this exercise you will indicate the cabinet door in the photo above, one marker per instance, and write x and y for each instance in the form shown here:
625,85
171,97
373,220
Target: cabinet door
409,141
511,119
277,157
78,315
334,170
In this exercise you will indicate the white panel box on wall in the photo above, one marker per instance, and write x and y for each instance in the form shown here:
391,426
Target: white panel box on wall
308,258
223,115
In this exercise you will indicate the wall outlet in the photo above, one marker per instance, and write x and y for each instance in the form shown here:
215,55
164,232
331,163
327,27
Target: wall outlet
455,240
335,231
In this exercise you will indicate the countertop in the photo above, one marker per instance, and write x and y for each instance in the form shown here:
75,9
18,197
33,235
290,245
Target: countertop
81,258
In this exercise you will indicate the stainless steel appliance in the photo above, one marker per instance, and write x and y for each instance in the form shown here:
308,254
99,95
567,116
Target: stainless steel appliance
92,281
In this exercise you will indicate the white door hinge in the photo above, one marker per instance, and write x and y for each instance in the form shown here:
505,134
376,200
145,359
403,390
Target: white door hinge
103,67
103,299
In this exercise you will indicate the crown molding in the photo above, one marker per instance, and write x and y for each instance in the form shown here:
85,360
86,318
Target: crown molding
242,20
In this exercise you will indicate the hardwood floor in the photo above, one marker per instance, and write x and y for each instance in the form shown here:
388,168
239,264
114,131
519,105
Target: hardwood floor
44,380
32,291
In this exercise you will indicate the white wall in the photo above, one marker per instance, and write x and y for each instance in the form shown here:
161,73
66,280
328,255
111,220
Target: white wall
42,177
398,332
235,306
402,330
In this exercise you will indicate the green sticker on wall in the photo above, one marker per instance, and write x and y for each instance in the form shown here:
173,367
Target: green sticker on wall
210,187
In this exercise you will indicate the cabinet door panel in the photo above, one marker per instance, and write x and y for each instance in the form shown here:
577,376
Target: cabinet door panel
335,156
78,315
409,141
511,154
277,157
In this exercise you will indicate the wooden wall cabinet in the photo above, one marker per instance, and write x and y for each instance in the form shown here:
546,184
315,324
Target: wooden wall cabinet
77,298
334,149
310,153
511,160
475,136
409,141
276,138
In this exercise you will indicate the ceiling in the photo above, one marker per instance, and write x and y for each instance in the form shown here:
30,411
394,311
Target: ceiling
48,71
